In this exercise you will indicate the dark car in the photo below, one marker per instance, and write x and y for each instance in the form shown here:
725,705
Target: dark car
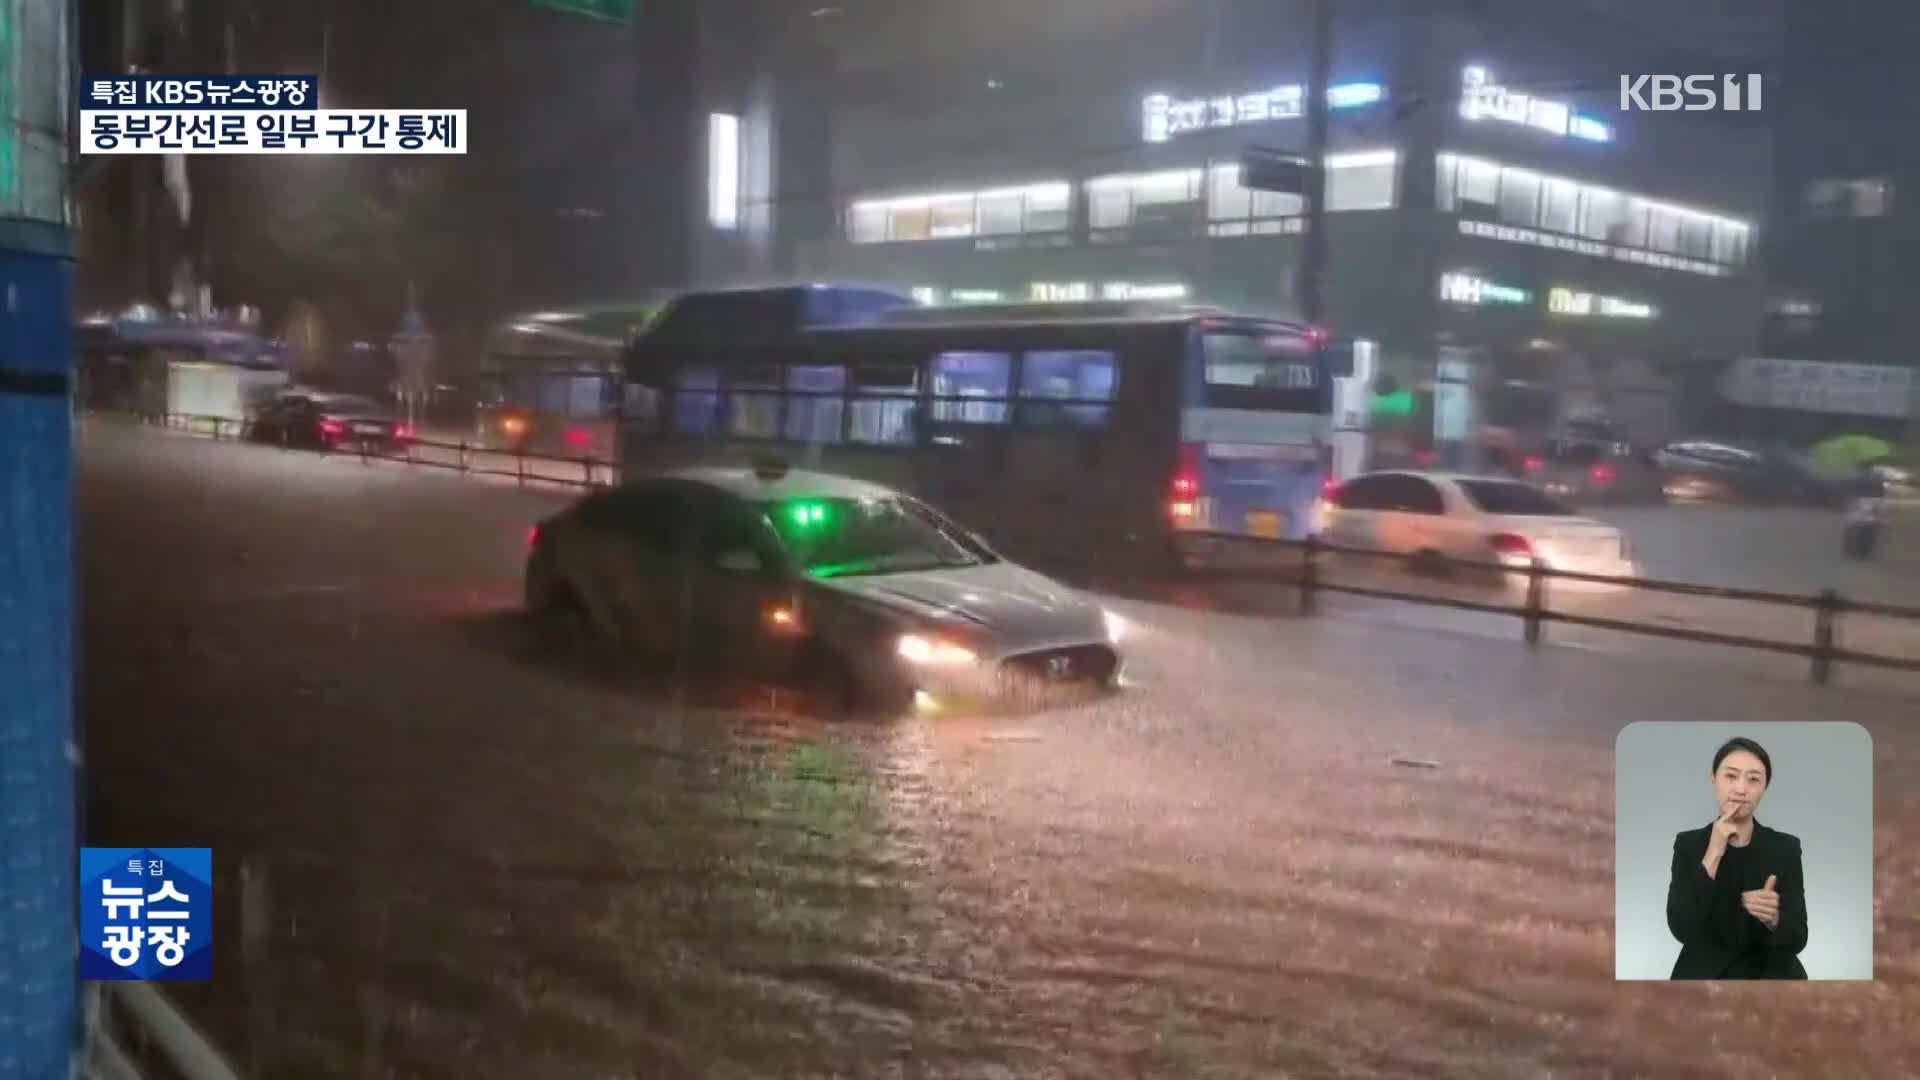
328,421
1705,471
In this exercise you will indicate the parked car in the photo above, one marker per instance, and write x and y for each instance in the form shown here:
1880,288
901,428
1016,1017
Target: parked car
321,420
1700,470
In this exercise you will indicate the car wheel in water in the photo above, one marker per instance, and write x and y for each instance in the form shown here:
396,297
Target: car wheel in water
1429,563
562,625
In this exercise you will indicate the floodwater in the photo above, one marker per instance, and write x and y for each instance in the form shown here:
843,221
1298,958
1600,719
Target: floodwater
463,860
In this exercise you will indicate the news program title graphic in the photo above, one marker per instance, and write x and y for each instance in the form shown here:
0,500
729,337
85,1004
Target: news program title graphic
146,913
250,114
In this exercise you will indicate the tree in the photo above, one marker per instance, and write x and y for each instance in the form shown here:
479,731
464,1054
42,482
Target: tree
349,233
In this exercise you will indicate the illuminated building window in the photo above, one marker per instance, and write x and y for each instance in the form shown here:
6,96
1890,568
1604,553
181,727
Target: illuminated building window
1004,211
1487,192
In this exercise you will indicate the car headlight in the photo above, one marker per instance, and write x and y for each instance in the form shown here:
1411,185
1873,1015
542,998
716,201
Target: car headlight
933,652
1116,626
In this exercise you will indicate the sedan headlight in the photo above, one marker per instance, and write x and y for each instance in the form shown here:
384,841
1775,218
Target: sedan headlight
934,652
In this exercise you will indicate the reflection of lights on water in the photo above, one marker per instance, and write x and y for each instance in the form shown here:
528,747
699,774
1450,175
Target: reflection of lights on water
925,702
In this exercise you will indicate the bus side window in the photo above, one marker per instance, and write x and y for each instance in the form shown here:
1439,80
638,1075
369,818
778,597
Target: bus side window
696,401
814,403
753,401
972,387
882,404
1070,388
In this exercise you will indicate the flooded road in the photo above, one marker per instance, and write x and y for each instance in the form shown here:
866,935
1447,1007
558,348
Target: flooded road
465,861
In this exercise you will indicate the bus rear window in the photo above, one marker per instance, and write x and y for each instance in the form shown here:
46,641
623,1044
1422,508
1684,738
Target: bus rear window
1276,372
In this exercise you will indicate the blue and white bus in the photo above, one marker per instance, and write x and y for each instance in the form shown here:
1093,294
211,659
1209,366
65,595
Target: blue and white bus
1112,434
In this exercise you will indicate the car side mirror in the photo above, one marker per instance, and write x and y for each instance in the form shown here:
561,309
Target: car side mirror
740,560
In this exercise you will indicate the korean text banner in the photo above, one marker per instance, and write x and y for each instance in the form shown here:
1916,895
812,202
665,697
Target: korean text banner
199,92
327,131
146,913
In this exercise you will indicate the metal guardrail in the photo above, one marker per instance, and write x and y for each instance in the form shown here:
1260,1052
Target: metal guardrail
134,1032
1822,651
463,457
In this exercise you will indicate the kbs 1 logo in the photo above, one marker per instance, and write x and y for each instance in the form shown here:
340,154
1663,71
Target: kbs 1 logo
1690,93
146,913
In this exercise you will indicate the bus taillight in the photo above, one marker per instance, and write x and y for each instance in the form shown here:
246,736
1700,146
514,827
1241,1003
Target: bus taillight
1184,491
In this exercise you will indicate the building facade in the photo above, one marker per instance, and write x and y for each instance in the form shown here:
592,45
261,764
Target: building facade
1845,244
1495,221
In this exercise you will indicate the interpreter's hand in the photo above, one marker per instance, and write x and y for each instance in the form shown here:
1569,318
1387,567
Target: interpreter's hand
1763,904
1724,830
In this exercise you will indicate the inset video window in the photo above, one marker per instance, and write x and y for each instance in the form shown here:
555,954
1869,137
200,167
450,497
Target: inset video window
1743,851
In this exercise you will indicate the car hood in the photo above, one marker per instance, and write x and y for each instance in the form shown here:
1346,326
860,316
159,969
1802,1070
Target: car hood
1004,607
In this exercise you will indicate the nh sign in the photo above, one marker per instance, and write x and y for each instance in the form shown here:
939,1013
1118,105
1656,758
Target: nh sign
610,10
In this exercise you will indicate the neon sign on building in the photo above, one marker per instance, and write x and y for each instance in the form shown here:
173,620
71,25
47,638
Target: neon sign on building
1481,97
1163,116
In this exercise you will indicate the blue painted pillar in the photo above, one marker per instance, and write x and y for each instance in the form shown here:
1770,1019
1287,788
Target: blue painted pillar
39,1027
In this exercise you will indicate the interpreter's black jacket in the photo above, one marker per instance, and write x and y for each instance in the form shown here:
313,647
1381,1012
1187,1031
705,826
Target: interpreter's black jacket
1718,939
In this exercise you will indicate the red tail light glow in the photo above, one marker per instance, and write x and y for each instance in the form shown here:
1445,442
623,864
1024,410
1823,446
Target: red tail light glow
332,427
1534,463
1603,474
578,438
533,535
1329,488
1426,458
403,431
1184,490
1509,544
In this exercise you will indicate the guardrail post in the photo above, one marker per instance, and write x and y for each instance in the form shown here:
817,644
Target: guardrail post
520,464
363,450
1536,598
1824,618
588,462
463,455
1309,575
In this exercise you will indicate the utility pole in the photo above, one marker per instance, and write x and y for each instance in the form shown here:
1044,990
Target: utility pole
1314,251
39,1005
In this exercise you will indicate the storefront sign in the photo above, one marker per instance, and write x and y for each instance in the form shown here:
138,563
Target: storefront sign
1060,292
1848,389
1127,290
1481,97
1055,292
1164,116
975,296
1468,289
1575,302
930,296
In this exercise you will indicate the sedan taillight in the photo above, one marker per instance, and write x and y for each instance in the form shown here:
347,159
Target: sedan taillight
1510,544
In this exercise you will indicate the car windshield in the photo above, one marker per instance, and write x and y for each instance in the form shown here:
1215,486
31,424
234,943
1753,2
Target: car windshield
840,537
1514,500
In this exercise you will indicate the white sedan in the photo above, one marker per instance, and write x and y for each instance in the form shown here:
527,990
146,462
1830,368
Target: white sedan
865,596
1438,520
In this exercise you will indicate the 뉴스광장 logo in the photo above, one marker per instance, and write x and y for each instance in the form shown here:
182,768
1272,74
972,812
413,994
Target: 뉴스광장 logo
146,913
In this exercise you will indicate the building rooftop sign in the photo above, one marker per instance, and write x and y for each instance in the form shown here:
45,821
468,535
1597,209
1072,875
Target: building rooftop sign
1482,98
1163,116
